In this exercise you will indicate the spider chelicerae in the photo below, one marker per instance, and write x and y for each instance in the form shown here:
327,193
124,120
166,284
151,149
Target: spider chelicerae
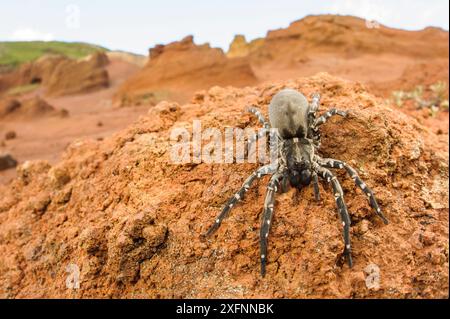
297,163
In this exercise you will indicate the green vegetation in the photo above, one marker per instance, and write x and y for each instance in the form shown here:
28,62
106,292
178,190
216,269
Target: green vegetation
436,100
13,54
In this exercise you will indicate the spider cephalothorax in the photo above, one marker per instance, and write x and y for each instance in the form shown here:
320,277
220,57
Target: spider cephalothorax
297,163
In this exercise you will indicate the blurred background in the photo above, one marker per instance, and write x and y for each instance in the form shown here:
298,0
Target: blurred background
79,69
139,24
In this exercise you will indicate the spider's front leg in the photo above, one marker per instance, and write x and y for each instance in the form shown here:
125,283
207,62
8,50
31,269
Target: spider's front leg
253,139
332,163
315,103
266,128
314,122
342,209
257,112
323,118
265,170
267,218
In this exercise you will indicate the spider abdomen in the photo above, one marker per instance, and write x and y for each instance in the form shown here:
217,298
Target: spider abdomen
288,112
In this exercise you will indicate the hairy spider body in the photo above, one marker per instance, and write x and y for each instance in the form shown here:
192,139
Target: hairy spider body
297,164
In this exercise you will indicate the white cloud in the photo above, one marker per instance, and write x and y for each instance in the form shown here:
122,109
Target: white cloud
29,34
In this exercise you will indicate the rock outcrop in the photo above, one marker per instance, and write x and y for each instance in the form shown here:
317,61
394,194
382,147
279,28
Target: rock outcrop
350,37
130,222
175,71
59,75
239,47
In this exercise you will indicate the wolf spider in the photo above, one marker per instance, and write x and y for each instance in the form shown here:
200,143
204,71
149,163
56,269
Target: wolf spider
297,130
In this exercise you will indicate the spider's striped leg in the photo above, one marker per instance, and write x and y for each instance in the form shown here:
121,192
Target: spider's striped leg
323,118
267,218
313,132
315,181
331,163
342,209
254,138
266,126
259,115
267,169
315,102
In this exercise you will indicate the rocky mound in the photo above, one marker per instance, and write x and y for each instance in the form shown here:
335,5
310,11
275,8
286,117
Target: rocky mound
27,109
60,75
119,212
387,59
239,47
74,77
176,70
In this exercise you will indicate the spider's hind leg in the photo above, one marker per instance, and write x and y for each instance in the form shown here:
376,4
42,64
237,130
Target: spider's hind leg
332,163
267,169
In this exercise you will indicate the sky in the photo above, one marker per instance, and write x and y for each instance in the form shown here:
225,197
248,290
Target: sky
137,25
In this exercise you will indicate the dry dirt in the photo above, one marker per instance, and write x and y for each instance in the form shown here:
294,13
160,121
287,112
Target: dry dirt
132,221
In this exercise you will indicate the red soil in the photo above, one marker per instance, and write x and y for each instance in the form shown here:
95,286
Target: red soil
132,222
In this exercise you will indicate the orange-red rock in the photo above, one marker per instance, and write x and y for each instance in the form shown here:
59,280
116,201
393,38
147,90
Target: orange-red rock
176,70
59,75
132,222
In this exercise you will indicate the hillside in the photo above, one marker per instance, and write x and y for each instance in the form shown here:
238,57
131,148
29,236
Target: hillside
175,71
13,54
132,221
59,75
341,45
